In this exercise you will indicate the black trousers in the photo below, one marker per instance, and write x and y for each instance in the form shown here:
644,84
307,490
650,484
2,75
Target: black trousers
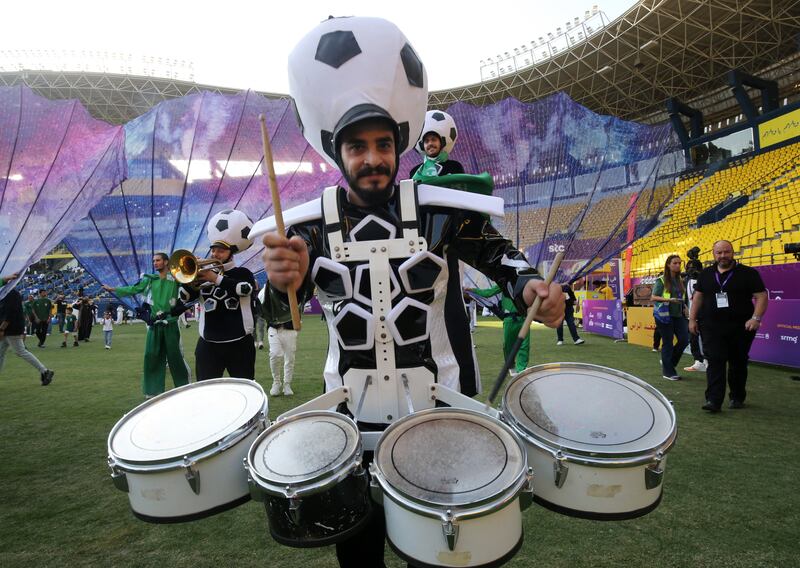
238,357
697,350
726,348
40,329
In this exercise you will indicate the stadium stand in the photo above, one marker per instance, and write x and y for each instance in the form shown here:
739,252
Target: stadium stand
768,219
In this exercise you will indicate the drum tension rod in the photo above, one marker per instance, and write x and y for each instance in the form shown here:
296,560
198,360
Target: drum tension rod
654,473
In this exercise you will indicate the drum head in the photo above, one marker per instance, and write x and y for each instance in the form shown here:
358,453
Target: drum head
589,410
304,448
450,457
186,421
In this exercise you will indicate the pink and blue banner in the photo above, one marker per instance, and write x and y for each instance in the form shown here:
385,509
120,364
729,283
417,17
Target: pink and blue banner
778,337
603,317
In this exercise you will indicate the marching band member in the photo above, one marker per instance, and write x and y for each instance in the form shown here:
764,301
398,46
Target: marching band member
383,256
163,343
226,318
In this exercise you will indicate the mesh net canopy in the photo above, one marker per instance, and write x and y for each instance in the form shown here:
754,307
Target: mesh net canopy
56,163
571,179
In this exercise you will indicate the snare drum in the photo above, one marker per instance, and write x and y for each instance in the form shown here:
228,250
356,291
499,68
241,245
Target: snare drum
597,438
450,481
179,455
307,470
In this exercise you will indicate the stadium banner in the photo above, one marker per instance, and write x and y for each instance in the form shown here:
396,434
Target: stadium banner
778,338
641,326
780,129
603,317
781,280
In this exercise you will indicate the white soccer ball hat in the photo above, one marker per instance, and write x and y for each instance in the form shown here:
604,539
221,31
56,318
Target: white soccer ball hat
349,69
442,124
230,228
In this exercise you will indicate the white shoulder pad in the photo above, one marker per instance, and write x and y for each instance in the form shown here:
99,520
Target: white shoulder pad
308,211
444,197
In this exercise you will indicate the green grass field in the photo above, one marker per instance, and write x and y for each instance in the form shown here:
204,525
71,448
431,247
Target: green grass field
730,497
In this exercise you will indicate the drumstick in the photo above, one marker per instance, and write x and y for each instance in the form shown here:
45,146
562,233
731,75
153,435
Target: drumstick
276,207
523,333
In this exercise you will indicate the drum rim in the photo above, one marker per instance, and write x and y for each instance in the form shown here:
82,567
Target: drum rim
592,458
316,484
257,421
478,508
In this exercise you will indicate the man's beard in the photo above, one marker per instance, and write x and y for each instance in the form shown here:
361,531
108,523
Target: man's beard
374,195
725,262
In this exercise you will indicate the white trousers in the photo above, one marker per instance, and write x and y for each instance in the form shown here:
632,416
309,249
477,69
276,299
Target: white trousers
282,346
18,345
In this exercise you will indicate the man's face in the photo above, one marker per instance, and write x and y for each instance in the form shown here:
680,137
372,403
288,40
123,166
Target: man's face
370,161
159,263
723,254
221,254
432,144
42,293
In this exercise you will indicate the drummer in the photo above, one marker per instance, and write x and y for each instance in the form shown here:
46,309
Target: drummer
361,102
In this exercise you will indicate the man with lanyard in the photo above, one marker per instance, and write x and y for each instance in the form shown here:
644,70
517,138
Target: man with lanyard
226,318
163,344
723,304
438,138
41,306
361,108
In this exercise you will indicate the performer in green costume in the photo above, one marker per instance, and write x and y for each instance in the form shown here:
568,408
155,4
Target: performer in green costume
512,323
163,343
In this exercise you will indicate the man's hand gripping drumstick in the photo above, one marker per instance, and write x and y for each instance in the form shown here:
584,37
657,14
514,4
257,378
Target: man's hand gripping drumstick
551,316
285,260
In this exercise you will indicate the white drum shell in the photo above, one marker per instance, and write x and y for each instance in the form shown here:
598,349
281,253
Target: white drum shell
481,540
165,495
605,491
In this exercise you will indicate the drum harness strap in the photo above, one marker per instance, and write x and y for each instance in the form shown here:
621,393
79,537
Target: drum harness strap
386,383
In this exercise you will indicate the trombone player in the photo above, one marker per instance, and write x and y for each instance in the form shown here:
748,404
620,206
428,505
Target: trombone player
224,291
163,343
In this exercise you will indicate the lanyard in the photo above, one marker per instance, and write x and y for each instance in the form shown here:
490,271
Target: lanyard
725,281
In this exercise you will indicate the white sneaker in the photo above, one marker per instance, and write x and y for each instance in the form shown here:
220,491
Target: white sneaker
287,390
275,390
260,345
698,366
108,347
579,341
559,343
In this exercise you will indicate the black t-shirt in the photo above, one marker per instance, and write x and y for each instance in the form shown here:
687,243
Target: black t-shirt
739,283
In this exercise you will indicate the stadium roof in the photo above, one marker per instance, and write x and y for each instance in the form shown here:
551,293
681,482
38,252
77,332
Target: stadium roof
629,68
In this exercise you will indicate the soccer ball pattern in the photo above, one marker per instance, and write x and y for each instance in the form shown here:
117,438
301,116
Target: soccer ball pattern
231,227
442,124
356,63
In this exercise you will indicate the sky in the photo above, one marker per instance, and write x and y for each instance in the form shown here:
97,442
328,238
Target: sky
240,44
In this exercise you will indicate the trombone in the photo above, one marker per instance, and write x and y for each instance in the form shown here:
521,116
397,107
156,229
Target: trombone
184,266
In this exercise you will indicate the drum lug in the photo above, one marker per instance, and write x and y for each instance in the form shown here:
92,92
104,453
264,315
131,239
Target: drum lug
450,530
375,490
654,473
192,475
526,493
294,509
118,477
560,469
255,491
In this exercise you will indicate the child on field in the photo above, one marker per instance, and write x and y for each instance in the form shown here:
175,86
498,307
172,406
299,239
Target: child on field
108,328
70,326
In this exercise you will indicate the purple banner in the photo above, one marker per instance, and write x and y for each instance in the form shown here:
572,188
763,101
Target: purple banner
778,336
603,317
781,280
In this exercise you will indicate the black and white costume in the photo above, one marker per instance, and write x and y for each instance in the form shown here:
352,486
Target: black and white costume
388,280
226,324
